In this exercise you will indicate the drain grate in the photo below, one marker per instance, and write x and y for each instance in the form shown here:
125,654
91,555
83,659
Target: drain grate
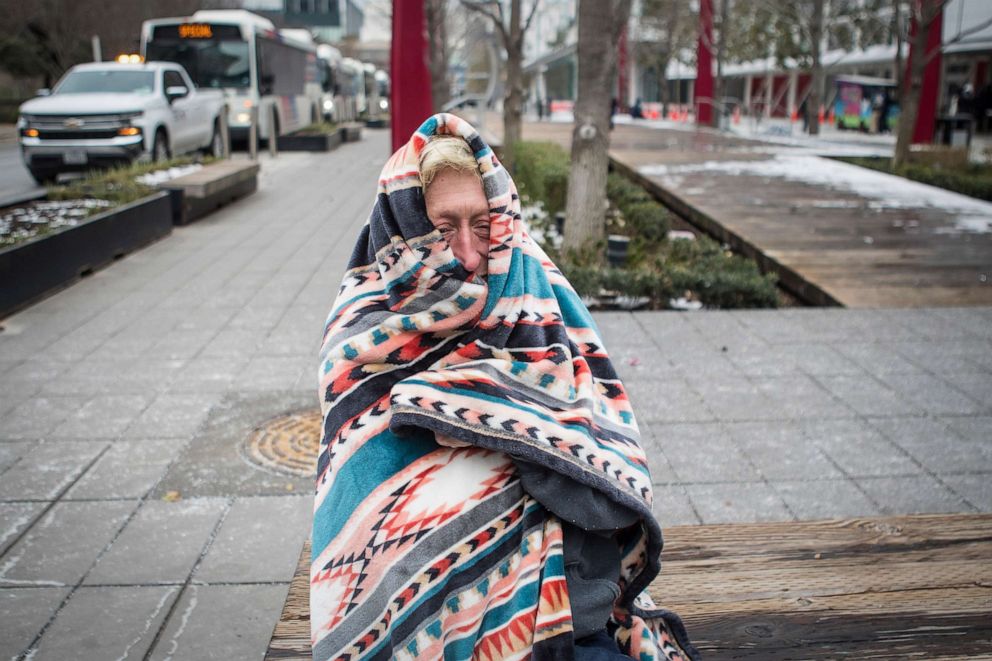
287,444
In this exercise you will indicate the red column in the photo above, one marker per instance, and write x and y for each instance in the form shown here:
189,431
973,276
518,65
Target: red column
927,114
409,80
703,96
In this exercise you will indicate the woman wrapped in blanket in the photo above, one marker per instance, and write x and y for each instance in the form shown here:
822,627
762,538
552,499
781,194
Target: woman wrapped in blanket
481,488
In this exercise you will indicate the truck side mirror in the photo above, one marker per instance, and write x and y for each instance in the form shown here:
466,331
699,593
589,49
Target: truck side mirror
175,92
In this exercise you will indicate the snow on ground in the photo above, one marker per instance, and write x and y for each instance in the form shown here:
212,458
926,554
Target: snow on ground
967,214
783,133
161,176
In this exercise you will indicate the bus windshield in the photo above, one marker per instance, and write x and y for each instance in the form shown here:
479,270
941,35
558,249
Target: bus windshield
108,81
209,63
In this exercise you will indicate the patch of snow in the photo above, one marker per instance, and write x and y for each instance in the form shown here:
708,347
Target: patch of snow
682,303
161,176
885,191
968,225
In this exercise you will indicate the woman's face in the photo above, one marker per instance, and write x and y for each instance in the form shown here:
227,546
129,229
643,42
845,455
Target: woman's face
458,207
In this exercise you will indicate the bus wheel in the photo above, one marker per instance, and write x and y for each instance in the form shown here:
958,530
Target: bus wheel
160,147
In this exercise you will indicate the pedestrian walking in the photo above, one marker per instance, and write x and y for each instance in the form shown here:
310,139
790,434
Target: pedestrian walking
481,487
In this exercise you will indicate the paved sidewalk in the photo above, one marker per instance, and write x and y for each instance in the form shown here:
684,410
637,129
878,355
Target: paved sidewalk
132,527
140,384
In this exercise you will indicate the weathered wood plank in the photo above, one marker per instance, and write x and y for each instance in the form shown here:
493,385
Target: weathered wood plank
876,588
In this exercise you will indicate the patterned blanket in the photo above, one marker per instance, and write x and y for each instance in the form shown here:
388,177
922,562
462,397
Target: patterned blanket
423,550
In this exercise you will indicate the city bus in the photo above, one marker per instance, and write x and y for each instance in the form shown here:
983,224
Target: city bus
332,103
243,54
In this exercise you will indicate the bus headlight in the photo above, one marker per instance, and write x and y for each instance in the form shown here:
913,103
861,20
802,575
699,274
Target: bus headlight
243,118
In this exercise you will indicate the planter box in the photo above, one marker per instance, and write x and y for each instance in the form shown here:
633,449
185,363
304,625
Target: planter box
213,186
320,142
35,268
352,132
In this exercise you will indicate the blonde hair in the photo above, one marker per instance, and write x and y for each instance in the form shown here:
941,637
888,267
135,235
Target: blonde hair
446,152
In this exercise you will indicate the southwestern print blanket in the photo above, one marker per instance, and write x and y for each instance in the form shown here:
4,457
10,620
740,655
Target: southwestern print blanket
423,550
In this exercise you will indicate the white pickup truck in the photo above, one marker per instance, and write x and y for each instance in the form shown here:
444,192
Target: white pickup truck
102,114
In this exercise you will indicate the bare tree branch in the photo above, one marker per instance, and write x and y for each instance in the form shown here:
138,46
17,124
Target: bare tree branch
530,16
497,19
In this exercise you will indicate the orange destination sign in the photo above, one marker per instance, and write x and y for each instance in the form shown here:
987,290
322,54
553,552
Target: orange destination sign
195,31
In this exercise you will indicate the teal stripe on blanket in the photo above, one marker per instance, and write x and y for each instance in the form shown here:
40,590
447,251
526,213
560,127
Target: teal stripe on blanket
381,457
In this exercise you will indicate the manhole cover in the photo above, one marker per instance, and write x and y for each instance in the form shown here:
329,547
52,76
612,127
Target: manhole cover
287,444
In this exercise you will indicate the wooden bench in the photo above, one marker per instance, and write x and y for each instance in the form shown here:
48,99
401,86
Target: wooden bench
211,187
899,587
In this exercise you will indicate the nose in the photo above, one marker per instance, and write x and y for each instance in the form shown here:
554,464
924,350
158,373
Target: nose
462,245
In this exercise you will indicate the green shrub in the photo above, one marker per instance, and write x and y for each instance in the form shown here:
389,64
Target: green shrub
541,174
648,221
623,193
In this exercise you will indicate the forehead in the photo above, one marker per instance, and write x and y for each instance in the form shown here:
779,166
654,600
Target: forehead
455,189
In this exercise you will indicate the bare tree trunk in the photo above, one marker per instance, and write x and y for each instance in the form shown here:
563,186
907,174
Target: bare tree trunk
514,100
816,84
897,19
721,52
600,25
910,98
435,11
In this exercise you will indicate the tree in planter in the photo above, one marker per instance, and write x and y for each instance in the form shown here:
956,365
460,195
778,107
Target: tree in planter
600,24
511,36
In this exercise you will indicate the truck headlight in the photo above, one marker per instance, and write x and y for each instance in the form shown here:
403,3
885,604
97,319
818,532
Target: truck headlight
328,105
129,130
242,118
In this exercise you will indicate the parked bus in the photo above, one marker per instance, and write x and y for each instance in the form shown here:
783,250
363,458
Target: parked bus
332,104
353,85
242,53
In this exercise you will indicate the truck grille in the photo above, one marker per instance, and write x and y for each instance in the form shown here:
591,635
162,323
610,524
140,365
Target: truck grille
78,123
45,134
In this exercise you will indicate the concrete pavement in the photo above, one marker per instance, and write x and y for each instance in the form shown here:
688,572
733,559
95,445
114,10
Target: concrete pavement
131,526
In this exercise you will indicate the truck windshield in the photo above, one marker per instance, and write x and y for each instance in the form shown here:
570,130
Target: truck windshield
107,81
209,63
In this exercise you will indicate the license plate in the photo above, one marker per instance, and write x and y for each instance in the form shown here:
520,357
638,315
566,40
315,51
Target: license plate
74,157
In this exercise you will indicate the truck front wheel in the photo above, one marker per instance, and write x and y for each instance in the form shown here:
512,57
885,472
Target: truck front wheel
160,147
43,177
